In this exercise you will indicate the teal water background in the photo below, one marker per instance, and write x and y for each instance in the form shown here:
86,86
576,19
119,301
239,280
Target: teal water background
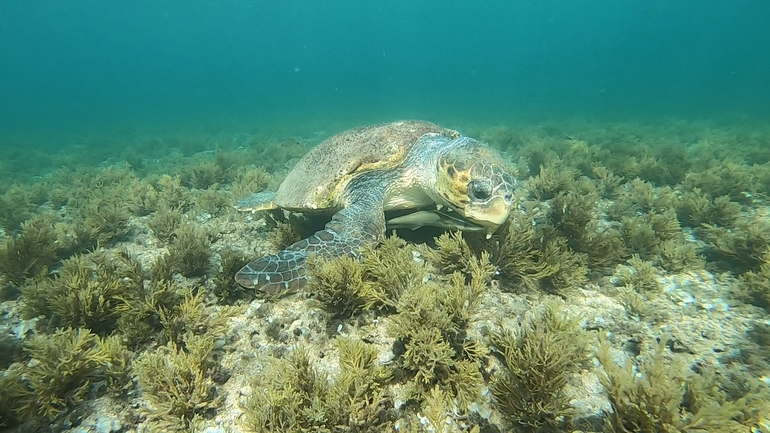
87,65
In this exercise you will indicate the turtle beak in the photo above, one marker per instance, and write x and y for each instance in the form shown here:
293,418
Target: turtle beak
491,215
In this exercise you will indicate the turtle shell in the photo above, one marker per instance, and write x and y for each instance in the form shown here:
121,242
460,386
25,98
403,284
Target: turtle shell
322,174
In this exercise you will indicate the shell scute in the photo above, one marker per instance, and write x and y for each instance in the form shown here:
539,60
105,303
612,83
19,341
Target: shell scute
320,176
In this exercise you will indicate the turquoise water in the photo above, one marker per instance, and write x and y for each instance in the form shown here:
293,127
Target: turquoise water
89,65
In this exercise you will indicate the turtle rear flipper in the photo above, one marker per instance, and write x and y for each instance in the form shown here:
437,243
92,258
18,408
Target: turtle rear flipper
360,223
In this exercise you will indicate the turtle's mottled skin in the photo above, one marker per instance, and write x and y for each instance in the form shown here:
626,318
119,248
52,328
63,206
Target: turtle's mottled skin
444,179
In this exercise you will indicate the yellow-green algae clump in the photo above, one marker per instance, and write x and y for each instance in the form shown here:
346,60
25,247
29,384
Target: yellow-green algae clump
538,358
61,368
291,395
652,396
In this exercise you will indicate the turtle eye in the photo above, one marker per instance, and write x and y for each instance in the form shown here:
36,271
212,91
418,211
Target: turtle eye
479,190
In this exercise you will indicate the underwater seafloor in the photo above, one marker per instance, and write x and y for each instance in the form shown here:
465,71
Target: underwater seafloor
629,292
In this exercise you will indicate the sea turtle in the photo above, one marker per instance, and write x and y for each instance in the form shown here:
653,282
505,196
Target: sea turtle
429,175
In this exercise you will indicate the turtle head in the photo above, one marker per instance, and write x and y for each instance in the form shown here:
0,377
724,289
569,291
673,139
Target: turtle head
476,183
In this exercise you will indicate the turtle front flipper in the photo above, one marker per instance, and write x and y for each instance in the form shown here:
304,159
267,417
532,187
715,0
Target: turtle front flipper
360,223
275,274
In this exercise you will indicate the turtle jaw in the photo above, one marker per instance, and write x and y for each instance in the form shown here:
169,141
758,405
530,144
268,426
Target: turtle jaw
490,215
443,216
485,216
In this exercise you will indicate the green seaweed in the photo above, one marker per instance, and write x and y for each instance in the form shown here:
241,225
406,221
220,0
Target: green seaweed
392,270
360,386
754,352
177,383
454,254
101,201
678,255
643,197
76,238
553,178
171,193
250,180
276,155
141,197
85,293
139,314
224,285
608,183
437,414
572,267
105,219
11,386
640,275
162,268
538,358
504,138
16,206
31,252
345,286
654,397
643,162
637,304
729,178
537,155
432,345
168,311
283,233
694,208
533,255
517,250
741,248
229,162
212,201
191,316
203,174
337,285
291,395
189,253
603,244
644,233
575,217
571,211
754,286
58,196
105,292
63,367
432,361
665,224
164,222
639,236
580,154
